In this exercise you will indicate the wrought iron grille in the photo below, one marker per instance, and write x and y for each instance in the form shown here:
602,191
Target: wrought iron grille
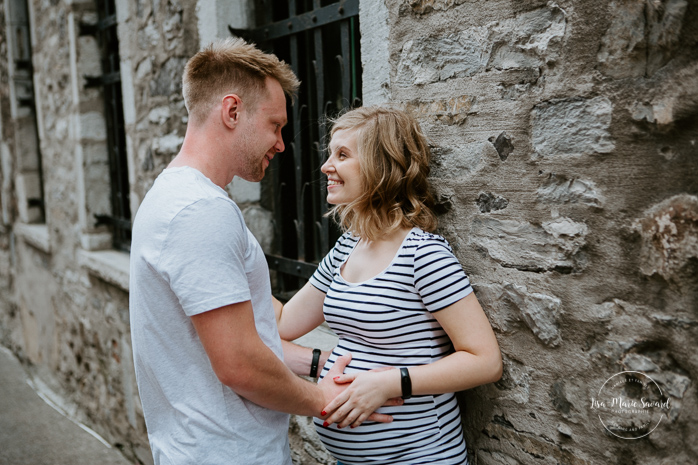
320,40
23,80
110,82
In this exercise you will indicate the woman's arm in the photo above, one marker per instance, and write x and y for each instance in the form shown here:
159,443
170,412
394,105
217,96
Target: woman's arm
476,361
300,315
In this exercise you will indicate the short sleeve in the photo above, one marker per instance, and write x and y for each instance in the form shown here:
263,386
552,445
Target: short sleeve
324,275
203,256
438,276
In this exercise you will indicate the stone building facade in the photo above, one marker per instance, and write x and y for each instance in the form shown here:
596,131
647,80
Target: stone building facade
565,163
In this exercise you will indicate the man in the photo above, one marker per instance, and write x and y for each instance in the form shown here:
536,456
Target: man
207,352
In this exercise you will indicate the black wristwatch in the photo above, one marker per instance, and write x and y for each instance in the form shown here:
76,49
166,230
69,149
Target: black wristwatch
406,383
314,363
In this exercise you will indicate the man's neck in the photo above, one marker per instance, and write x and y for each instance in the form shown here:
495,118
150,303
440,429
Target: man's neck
201,152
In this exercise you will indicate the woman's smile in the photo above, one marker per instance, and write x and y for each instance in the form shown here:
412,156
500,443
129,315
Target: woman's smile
343,169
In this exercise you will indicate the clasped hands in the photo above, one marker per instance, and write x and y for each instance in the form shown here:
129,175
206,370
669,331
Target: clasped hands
351,399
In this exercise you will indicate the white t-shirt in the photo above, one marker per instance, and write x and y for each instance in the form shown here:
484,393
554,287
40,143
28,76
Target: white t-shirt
191,253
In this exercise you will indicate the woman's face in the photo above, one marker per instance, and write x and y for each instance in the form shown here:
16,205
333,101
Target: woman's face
343,169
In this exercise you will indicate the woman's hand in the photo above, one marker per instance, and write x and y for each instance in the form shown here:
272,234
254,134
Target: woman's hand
367,392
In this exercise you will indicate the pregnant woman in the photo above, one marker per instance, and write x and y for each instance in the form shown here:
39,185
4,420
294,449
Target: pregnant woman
398,299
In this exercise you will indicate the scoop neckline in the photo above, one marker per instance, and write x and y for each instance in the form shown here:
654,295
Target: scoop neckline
397,254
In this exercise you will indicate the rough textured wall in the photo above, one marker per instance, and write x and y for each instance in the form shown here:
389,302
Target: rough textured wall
565,163
73,327
157,38
7,316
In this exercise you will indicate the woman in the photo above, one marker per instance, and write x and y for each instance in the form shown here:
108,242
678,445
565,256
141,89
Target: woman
397,298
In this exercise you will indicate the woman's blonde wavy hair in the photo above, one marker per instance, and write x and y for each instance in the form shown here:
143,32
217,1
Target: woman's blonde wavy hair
394,165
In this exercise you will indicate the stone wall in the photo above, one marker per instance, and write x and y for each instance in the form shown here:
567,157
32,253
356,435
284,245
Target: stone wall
564,136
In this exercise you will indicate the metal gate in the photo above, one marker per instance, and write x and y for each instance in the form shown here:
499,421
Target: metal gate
320,40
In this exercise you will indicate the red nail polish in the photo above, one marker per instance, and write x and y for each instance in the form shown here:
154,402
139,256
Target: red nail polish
325,424
323,413
339,427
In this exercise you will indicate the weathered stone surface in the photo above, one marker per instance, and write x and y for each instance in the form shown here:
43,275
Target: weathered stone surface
375,54
669,232
564,430
675,322
524,445
530,247
144,68
510,304
260,223
642,37
488,202
488,457
169,79
242,191
670,383
159,115
572,128
672,103
558,396
522,42
450,111
515,382
539,311
426,6
560,189
92,126
503,145
168,145
454,161
428,60
305,444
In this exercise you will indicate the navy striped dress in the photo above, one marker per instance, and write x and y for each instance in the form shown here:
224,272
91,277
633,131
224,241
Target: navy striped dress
388,321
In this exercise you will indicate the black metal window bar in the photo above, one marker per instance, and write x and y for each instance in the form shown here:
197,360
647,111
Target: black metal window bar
110,82
320,40
23,78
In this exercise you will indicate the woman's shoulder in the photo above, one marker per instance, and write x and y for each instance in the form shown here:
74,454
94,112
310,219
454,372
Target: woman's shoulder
344,245
420,239
346,240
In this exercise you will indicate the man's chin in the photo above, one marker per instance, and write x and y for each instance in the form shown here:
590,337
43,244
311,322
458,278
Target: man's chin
256,177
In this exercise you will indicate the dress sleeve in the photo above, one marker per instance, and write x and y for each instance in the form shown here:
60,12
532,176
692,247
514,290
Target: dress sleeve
438,276
203,256
324,275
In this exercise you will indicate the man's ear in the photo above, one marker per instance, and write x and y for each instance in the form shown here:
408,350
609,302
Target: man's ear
230,110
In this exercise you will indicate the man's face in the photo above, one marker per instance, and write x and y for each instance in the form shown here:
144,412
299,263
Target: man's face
260,132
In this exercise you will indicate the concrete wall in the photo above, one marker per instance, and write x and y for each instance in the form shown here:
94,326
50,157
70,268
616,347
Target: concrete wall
564,137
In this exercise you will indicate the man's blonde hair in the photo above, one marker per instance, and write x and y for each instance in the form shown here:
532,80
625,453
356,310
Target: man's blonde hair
231,66
394,165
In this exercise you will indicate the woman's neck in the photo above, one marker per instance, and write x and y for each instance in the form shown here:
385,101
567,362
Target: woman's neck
396,235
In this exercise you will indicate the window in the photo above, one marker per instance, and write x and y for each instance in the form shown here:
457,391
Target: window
110,81
320,40
29,179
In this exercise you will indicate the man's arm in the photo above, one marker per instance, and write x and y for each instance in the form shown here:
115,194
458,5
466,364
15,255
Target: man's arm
299,358
244,363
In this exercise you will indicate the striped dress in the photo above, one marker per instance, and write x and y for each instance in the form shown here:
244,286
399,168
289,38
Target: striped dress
388,321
